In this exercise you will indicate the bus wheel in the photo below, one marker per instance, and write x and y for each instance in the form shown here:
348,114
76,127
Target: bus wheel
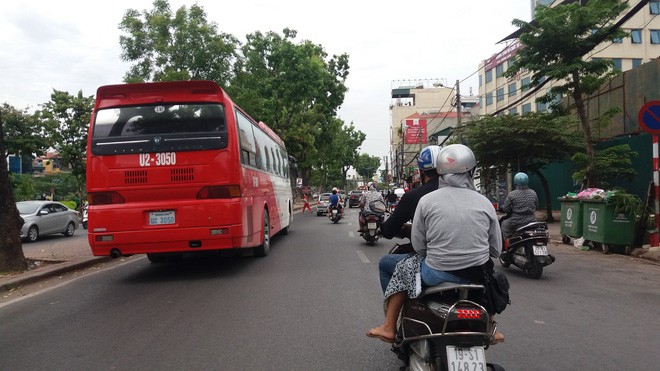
263,249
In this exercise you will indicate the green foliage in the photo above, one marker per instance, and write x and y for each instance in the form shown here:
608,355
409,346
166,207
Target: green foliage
611,162
626,203
184,46
24,133
366,166
527,142
31,187
66,119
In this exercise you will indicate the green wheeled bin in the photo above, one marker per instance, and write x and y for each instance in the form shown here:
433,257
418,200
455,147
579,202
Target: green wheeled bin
571,219
604,227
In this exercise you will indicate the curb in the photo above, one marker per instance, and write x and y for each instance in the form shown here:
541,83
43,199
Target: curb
48,272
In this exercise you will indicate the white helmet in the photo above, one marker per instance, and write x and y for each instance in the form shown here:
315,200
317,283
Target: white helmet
371,186
455,159
334,189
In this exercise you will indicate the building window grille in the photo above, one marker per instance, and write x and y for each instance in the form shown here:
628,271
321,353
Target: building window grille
489,98
524,85
489,76
499,70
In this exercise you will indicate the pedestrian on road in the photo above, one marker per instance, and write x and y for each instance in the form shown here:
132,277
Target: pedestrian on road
306,204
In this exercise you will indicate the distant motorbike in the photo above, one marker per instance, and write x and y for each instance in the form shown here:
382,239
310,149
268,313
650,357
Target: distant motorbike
527,249
334,214
84,217
370,221
445,328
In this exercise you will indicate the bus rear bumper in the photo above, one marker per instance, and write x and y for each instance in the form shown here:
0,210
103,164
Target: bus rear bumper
124,243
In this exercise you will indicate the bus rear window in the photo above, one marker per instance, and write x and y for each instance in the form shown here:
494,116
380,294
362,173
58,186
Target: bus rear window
155,128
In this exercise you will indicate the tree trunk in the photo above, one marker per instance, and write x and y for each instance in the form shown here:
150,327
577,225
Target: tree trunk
590,180
548,202
11,250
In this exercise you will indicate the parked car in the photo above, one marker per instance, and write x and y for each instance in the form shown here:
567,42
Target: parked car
46,217
322,204
354,198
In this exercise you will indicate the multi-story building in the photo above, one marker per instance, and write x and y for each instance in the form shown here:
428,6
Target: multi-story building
421,113
498,94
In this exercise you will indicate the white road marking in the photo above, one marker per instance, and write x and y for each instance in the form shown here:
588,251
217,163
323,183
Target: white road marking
363,257
351,234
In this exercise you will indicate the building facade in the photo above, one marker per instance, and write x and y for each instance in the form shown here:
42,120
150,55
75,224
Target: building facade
498,94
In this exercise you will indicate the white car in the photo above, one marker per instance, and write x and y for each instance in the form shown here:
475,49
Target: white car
46,217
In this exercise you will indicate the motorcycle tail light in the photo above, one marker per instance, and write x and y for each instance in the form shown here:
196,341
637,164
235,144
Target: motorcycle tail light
468,313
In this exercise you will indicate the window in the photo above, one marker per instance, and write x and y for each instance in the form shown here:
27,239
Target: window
540,107
636,36
513,111
655,36
527,107
499,70
489,98
636,62
512,89
618,40
246,137
524,85
489,76
481,82
500,94
617,63
654,7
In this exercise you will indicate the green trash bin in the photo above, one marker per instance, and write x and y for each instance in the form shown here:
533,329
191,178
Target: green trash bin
571,219
603,226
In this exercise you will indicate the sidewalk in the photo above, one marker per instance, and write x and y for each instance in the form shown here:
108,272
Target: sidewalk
64,256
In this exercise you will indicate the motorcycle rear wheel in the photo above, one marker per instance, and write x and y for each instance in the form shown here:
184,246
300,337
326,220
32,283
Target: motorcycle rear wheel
504,263
536,270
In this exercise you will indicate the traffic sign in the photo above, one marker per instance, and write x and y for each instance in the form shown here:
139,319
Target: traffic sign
649,117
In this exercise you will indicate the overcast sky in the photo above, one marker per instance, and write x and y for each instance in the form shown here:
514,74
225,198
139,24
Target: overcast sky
73,45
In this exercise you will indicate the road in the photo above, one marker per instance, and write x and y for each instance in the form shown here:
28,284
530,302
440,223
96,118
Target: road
307,306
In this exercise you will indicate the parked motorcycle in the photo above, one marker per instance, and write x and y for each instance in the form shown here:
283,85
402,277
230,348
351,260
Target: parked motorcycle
334,214
370,221
445,328
527,249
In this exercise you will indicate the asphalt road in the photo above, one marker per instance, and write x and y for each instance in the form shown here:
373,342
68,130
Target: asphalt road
307,306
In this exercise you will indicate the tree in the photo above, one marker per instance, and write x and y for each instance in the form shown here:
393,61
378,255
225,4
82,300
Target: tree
366,166
184,46
24,133
294,88
553,47
11,250
66,118
502,142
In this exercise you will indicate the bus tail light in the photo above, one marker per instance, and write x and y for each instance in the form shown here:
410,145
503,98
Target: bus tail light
229,191
105,198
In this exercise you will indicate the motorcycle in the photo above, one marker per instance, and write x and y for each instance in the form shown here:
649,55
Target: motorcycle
527,249
334,214
445,328
370,221
84,217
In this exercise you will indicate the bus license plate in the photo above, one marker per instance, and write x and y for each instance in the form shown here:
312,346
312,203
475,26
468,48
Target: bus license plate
472,358
162,217
540,250
371,225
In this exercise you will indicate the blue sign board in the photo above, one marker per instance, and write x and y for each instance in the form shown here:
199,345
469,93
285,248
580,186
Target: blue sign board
649,117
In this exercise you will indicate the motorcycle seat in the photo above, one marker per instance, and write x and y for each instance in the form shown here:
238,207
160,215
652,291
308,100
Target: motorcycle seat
450,286
532,225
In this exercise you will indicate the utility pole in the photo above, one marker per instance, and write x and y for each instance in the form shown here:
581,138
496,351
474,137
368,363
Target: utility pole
458,103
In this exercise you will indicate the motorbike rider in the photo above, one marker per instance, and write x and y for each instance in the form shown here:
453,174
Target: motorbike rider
366,199
455,231
521,204
405,210
335,202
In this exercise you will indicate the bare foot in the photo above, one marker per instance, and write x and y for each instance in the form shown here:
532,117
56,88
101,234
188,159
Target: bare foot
498,338
382,334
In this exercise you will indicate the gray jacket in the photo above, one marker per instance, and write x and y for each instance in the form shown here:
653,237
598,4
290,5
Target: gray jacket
455,227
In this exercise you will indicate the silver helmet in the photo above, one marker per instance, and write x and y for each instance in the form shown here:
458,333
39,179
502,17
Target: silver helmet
455,159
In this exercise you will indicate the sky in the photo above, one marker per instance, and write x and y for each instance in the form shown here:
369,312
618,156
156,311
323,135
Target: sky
72,45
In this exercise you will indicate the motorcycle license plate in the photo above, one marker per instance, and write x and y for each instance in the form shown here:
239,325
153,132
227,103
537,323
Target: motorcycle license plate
464,359
371,225
334,212
540,250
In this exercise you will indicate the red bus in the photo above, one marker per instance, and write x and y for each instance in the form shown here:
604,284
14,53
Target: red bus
176,167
